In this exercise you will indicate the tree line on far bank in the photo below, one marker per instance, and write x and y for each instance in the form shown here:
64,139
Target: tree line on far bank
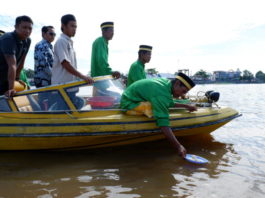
246,75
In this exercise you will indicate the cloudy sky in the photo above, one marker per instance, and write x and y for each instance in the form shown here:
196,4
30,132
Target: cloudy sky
185,34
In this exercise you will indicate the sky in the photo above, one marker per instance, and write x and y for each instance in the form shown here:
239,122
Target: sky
185,34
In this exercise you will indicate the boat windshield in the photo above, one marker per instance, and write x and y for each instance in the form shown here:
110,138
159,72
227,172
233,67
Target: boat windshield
105,93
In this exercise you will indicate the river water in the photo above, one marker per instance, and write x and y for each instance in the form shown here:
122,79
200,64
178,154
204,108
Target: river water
236,153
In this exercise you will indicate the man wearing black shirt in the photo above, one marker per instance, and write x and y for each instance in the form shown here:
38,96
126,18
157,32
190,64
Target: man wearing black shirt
14,47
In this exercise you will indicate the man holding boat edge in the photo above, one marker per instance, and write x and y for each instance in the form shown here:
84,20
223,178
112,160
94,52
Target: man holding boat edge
100,52
65,65
14,47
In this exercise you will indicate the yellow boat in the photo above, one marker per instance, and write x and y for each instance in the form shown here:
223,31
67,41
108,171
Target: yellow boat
51,118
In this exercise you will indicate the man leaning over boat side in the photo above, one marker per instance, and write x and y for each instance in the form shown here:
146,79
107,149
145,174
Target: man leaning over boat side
14,47
100,52
153,98
136,71
65,65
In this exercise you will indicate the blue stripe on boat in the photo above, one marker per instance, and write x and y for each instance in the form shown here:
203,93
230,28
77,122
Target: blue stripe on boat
96,123
116,132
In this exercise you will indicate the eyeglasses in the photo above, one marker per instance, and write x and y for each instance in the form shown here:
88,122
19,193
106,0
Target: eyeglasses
52,34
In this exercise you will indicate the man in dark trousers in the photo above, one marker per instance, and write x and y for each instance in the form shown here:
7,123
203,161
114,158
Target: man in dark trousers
14,47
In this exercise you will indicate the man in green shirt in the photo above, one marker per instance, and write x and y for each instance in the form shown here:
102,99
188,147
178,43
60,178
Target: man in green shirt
159,92
136,71
100,52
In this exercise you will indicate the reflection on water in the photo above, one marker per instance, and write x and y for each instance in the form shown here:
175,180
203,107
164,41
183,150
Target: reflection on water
133,171
235,152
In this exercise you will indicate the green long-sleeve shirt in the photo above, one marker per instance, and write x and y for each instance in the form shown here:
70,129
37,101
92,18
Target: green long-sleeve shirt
23,77
136,72
99,58
157,91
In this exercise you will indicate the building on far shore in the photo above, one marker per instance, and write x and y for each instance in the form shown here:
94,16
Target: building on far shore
227,75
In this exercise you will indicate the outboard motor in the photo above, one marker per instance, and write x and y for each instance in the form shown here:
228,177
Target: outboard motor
212,96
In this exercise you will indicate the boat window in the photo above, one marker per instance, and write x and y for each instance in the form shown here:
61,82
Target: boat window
103,94
80,95
40,101
4,106
107,94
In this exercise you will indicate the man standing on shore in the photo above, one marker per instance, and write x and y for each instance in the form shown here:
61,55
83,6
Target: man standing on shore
100,52
136,71
14,47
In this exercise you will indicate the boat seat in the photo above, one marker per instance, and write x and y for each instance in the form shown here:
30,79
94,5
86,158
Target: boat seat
26,104
25,108
22,103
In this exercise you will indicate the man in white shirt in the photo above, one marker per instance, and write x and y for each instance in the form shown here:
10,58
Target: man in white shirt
65,66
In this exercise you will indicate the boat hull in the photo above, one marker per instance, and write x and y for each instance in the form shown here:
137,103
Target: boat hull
92,130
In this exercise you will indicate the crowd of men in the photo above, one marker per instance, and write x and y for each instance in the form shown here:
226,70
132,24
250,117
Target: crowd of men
53,65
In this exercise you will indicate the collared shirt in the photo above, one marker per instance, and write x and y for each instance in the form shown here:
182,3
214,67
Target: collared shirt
157,91
43,59
63,50
10,44
99,58
136,72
